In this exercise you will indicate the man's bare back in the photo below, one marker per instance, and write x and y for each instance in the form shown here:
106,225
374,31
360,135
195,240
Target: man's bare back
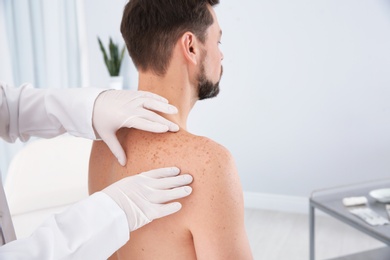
175,48
210,224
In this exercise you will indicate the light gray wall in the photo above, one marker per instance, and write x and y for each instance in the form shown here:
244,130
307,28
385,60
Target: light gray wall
102,18
305,99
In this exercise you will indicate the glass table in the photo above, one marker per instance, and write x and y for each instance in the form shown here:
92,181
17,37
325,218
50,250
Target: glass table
329,201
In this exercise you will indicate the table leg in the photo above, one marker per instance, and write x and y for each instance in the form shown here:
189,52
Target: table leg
312,233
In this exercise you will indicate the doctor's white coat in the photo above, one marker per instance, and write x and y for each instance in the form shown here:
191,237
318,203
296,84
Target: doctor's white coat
91,229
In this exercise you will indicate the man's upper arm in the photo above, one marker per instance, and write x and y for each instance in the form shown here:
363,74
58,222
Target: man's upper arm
217,222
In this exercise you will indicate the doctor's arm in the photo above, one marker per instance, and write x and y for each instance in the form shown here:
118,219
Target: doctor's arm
85,112
99,225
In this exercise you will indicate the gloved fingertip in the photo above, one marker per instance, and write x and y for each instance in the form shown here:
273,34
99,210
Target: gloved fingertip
122,161
168,209
172,109
174,128
188,178
188,189
175,206
175,170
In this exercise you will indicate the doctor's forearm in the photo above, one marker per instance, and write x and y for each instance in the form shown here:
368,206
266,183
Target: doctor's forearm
26,112
92,229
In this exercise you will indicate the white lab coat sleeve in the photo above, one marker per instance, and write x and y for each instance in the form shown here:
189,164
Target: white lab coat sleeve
26,112
91,229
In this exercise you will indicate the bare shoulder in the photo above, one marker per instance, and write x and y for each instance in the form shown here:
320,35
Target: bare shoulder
214,153
217,164
215,210
216,180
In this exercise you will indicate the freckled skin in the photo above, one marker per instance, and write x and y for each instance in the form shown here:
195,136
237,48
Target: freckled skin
178,235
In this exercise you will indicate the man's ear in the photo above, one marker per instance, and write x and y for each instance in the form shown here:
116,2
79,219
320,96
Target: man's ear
190,47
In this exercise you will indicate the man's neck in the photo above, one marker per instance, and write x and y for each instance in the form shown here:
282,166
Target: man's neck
176,88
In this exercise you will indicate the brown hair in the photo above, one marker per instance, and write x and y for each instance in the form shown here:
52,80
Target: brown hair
151,28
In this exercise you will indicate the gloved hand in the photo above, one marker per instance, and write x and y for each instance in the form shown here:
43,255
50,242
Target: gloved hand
142,196
115,109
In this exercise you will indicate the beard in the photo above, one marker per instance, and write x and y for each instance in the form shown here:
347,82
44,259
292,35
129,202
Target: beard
206,88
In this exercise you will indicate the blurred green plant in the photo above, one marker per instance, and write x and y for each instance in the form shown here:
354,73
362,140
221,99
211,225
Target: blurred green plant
114,60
